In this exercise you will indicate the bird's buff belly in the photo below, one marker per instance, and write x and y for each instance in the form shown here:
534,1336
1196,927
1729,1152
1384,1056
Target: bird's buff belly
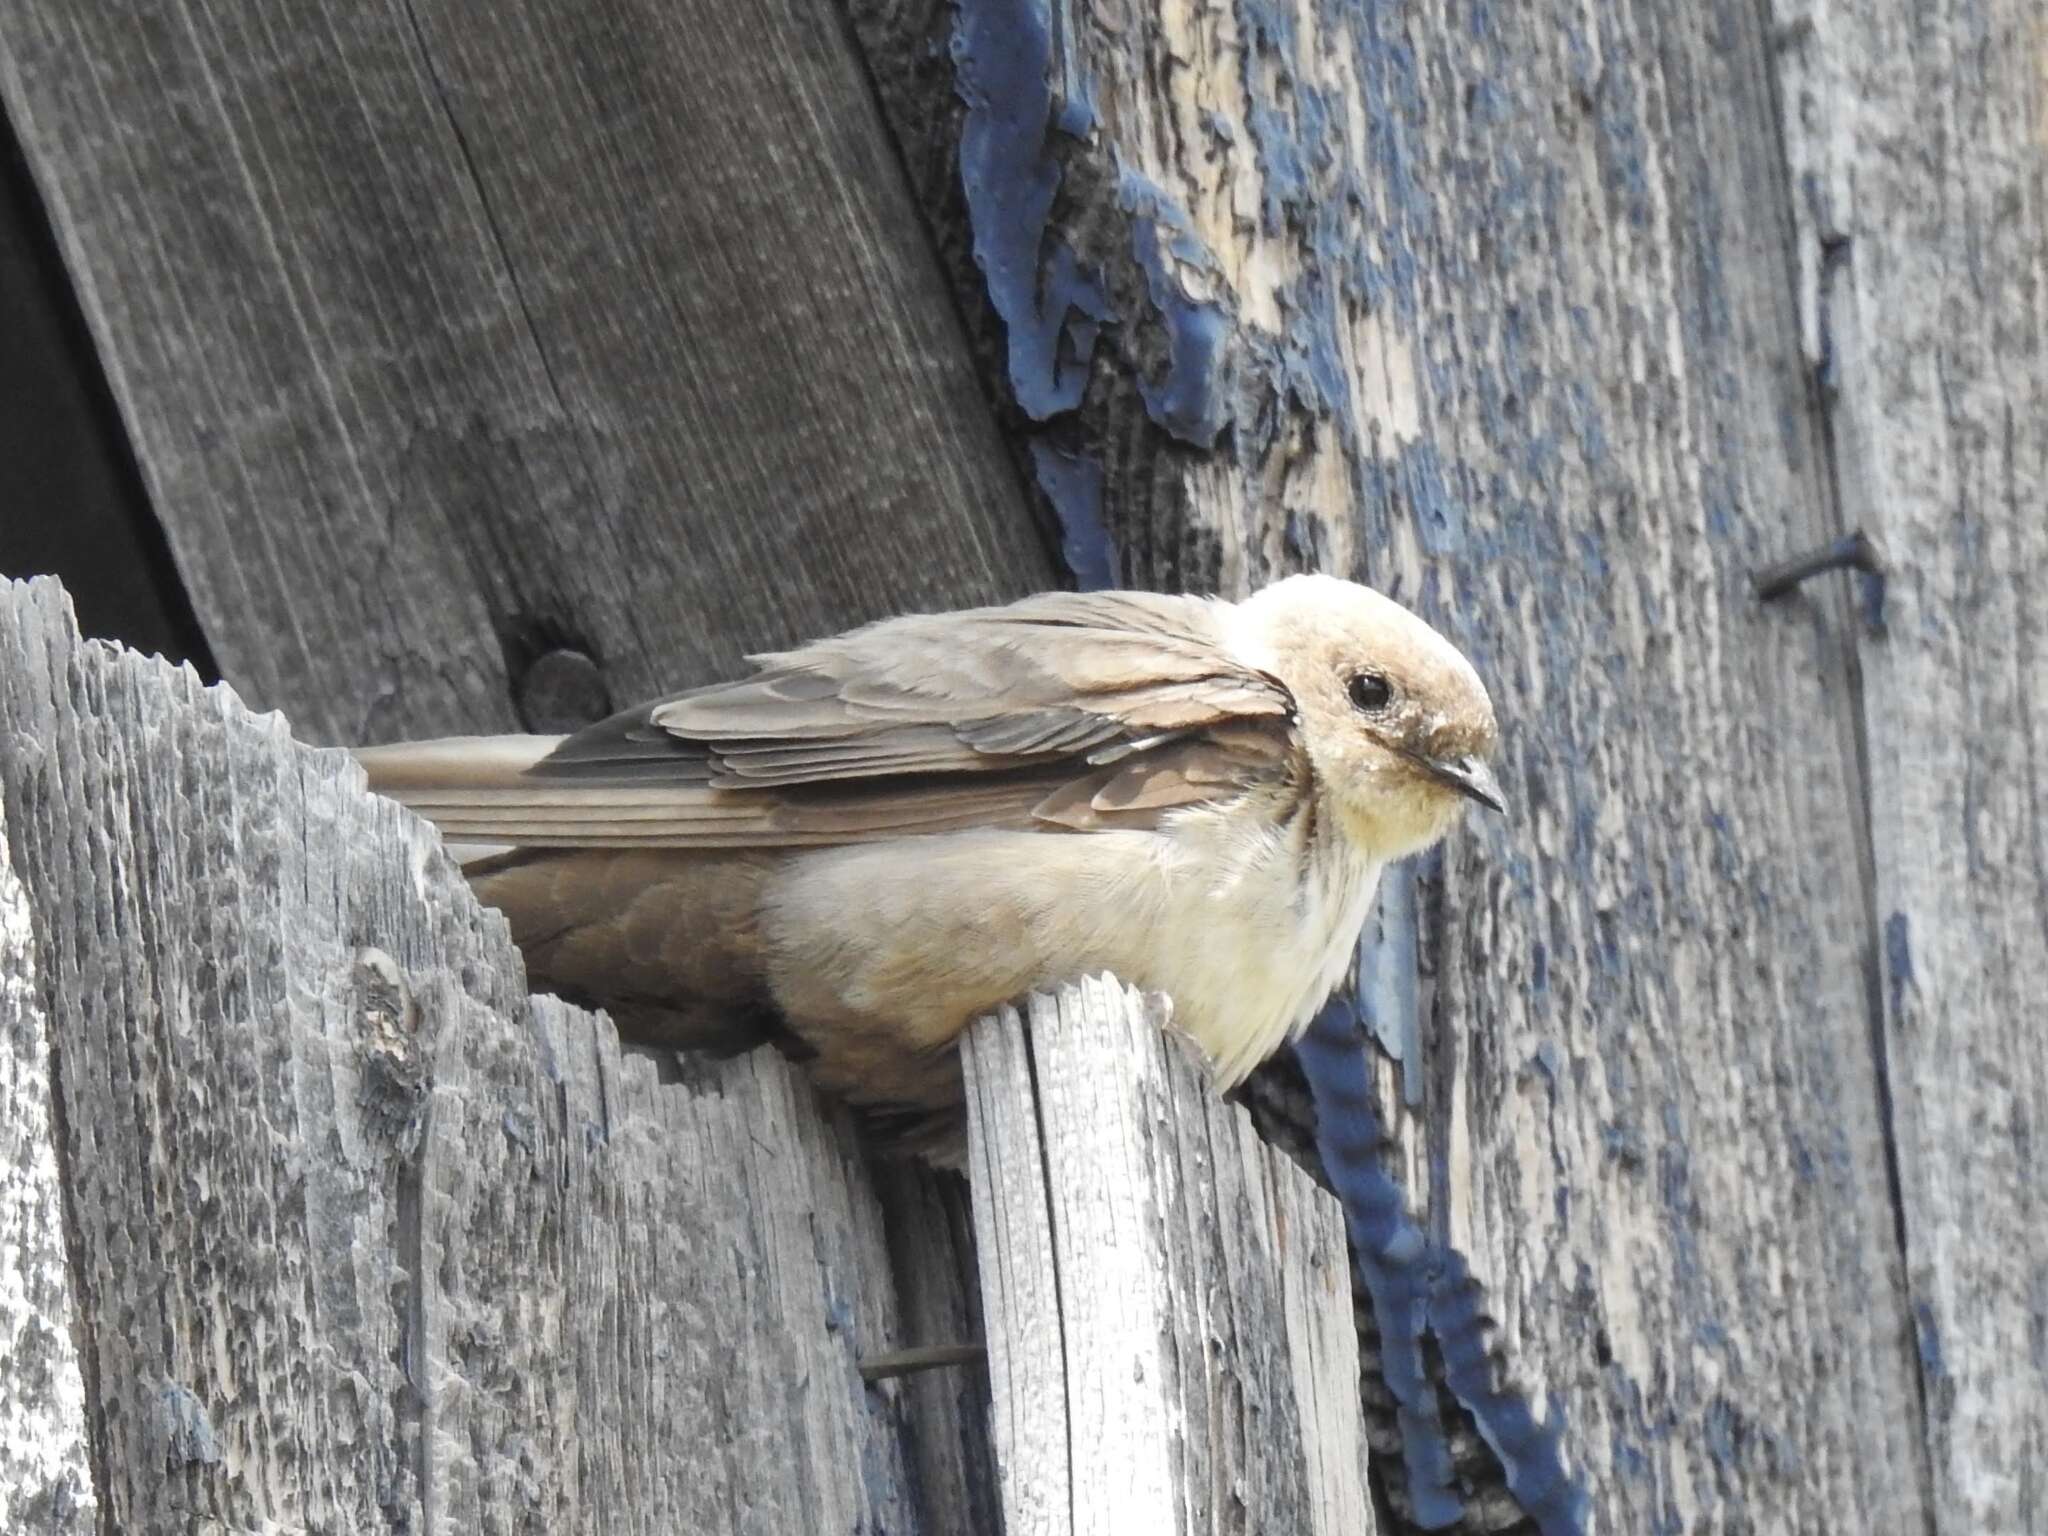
879,956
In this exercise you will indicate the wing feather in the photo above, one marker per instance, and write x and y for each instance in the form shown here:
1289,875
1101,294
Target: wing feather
1073,711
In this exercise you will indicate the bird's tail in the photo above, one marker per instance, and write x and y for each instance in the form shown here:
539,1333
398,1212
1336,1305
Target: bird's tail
406,770
480,790
460,783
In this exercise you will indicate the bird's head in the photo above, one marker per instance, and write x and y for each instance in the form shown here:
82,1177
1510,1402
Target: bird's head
1397,725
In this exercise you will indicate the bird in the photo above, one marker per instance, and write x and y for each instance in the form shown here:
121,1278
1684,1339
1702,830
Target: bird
871,840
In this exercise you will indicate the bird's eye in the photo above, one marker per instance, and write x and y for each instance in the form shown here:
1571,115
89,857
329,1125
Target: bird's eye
1370,692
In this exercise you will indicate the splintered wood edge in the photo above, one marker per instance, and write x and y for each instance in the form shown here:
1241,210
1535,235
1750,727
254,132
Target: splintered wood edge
1138,1243
45,1472
1019,1282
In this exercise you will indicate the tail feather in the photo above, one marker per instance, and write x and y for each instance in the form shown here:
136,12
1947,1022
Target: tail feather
481,789
406,769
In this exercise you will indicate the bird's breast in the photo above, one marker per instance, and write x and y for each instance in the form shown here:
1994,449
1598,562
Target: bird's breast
881,954
1255,937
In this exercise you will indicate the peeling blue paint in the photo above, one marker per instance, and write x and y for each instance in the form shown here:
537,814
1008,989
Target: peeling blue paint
1387,1247
1804,1168
1306,188
1268,28
1389,997
186,1433
1072,482
1191,401
1075,113
1620,135
1898,960
1719,1432
1623,1145
1674,1187
1531,1452
1584,417
1629,1460
1052,308
1870,587
1726,858
1391,88
1423,1289
839,1316
1266,71
1927,1331
1416,478
1311,368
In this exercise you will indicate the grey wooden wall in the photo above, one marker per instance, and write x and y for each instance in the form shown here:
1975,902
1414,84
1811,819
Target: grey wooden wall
489,363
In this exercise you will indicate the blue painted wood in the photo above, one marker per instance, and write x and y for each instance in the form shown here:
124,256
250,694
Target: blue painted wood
1501,308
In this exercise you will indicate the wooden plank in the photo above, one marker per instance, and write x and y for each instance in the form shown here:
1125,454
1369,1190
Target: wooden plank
362,1235
1019,1284
1918,140
465,347
45,1478
1169,1318
450,336
725,1269
1495,307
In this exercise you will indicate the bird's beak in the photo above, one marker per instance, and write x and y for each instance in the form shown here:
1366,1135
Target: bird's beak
1470,777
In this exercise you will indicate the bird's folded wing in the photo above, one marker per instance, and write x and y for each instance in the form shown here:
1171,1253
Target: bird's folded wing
1074,711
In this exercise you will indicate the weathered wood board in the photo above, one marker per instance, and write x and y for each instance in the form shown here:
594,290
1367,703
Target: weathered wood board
461,346
363,1235
1918,140
1168,1299
1542,318
452,334
45,1482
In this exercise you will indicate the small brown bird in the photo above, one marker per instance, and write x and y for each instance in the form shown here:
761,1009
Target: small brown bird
880,836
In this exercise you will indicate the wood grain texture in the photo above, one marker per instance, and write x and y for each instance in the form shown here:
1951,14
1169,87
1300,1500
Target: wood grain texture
451,335
1169,1317
1918,138
45,1482
464,347
1516,313
365,1236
